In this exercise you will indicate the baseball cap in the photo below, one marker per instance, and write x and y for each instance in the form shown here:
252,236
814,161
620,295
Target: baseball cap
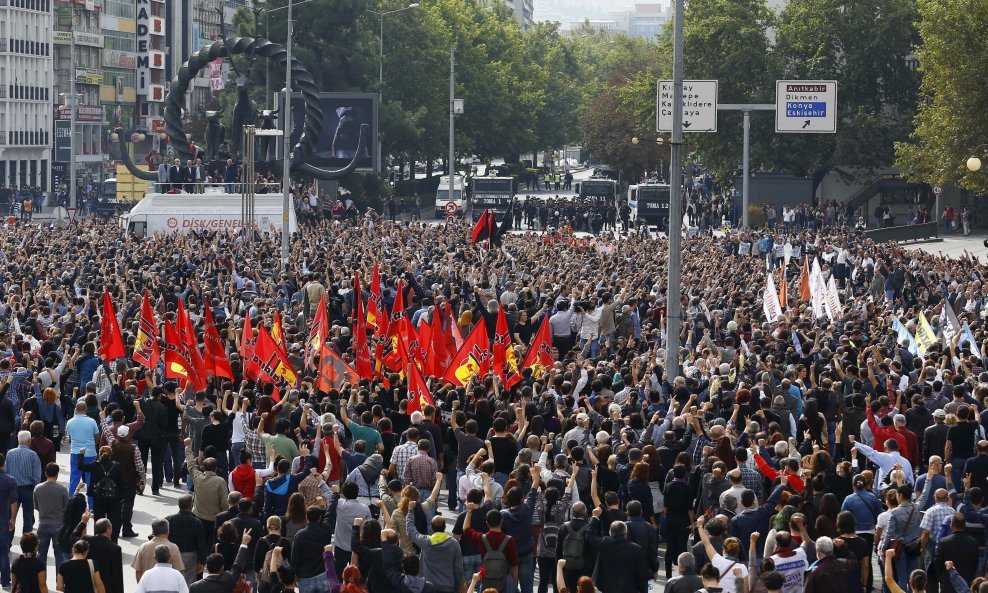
939,414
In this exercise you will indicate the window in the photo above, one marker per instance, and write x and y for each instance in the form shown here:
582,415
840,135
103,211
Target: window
121,8
110,77
119,41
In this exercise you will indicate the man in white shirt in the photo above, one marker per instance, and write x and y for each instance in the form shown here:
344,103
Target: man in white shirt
162,577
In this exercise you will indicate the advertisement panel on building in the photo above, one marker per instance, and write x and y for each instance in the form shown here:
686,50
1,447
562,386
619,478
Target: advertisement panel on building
143,18
63,146
342,116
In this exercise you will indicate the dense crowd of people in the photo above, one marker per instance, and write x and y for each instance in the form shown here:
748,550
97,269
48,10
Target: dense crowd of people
803,454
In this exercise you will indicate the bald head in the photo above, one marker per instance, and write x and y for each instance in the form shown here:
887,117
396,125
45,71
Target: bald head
941,495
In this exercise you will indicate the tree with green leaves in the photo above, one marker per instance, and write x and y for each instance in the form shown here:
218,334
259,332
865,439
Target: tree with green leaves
864,46
950,124
727,41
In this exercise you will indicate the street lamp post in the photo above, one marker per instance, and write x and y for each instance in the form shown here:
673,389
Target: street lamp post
673,296
380,61
286,179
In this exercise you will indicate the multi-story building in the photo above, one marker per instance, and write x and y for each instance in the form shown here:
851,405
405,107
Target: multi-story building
78,31
26,84
524,11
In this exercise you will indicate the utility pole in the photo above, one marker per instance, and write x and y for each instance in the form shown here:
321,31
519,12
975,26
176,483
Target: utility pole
286,178
72,98
452,117
673,296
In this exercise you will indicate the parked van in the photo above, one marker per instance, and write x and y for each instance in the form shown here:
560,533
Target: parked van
187,212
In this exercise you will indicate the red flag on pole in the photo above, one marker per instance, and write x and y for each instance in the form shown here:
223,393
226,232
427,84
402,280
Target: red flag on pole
441,350
333,371
217,363
147,353
454,339
278,333
426,359
539,357
482,229
804,282
247,344
472,359
505,363
317,333
376,318
784,291
111,344
418,392
361,351
197,368
272,364
176,363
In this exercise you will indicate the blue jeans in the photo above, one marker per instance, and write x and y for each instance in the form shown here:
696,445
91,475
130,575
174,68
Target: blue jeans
594,346
526,575
471,565
957,473
903,567
424,494
316,584
47,535
235,454
76,475
25,496
5,551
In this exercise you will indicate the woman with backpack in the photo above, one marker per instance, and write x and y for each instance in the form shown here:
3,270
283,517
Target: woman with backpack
106,487
551,511
263,553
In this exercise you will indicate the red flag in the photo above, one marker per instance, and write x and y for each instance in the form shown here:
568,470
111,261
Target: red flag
505,363
361,351
111,344
386,356
539,356
440,347
482,230
197,368
333,371
804,282
247,344
454,338
376,318
272,364
176,364
472,359
217,363
425,349
278,333
784,291
147,353
317,333
418,392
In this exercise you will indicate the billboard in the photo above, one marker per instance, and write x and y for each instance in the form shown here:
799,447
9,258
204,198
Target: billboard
63,146
342,116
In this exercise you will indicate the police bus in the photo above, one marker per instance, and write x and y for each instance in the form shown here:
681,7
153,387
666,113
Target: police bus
650,204
601,191
491,193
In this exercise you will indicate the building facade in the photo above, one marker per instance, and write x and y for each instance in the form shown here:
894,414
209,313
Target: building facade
78,29
26,99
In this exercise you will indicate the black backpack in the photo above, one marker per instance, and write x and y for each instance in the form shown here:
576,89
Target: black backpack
106,487
572,549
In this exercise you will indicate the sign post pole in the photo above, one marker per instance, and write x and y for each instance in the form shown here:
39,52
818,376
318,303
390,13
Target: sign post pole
73,99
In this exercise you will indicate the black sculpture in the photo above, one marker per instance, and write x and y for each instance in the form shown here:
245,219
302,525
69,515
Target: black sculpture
267,118
215,133
244,113
302,81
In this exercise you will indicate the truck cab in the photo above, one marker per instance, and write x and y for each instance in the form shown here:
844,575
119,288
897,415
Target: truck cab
444,200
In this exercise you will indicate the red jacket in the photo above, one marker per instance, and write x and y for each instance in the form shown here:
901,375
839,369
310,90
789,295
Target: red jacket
882,434
795,481
244,480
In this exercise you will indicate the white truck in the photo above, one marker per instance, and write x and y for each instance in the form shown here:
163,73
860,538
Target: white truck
446,206
210,211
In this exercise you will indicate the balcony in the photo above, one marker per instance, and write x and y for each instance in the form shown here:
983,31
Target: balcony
3,135
3,42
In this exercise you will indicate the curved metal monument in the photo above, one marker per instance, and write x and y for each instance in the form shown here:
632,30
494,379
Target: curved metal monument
301,79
